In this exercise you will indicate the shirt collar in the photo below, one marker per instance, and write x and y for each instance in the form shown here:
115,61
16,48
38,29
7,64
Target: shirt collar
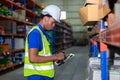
44,32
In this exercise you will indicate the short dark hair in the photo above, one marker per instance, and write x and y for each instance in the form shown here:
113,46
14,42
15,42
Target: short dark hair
42,16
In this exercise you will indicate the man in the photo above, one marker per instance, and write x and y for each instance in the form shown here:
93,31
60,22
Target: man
38,59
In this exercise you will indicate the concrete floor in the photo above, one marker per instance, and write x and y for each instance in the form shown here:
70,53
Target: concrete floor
74,69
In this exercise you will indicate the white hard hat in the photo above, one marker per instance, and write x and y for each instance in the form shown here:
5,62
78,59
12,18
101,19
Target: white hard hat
53,11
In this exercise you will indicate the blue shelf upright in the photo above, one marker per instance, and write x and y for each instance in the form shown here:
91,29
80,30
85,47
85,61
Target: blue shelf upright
94,48
12,39
12,28
104,58
34,18
25,17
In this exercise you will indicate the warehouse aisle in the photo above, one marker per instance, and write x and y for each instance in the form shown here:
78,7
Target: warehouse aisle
74,69
16,74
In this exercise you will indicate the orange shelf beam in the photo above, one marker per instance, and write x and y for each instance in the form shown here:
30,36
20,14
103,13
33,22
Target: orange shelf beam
112,35
12,19
14,51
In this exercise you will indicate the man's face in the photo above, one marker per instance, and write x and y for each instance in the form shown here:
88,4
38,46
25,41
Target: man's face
50,23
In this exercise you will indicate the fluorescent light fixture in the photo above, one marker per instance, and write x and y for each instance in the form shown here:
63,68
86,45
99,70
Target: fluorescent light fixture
63,15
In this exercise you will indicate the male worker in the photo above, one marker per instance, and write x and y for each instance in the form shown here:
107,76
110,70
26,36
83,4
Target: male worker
38,63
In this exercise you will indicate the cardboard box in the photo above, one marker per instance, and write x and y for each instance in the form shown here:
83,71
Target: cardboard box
89,14
5,47
1,30
15,15
103,11
22,12
6,24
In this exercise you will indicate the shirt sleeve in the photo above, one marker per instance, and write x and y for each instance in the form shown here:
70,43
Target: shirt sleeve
35,40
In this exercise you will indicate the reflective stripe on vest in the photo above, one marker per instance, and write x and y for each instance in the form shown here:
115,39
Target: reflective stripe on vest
38,67
26,54
43,69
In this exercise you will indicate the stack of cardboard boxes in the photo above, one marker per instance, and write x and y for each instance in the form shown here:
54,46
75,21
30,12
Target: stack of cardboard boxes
93,11
114,16
20,15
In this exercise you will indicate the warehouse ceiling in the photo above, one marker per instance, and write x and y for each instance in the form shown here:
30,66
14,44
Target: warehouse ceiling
71,7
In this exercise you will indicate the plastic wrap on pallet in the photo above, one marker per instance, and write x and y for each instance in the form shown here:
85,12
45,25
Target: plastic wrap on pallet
95,73
94,60
114,73
117,61
94,63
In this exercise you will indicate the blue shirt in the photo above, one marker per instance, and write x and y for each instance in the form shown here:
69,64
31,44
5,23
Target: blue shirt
34,38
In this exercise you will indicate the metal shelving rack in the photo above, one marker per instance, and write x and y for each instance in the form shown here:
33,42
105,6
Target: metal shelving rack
63,36
108,38
29,7
111,36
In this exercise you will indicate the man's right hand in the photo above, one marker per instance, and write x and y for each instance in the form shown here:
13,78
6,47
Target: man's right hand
60,56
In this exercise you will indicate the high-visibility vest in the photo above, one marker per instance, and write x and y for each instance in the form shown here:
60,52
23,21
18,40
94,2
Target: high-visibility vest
43,69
